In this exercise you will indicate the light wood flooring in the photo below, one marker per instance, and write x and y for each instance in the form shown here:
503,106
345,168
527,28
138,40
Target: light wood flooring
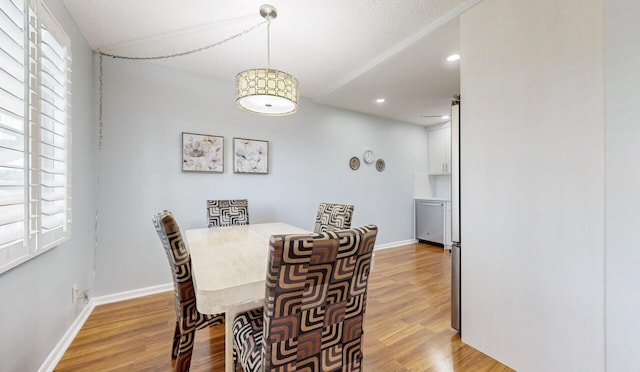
407,326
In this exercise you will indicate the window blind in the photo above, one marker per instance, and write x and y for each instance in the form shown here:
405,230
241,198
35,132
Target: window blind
35,189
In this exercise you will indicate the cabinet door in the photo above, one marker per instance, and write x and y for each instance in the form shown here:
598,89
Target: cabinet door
447,150
440,151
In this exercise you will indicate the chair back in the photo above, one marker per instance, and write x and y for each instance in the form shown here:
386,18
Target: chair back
332,217
180,263
316,292
228,212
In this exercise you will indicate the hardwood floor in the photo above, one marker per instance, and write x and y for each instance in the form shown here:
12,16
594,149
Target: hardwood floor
406,326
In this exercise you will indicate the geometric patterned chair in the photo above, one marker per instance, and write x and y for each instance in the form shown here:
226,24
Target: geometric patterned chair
315,301
188,318
332,217
228,212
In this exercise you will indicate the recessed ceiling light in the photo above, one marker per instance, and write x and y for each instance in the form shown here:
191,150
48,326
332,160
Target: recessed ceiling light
453,57
445,117
380,100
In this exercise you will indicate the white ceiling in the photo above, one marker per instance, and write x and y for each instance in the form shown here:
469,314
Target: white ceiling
344,53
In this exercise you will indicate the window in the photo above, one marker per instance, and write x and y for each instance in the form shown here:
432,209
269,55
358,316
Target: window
35,132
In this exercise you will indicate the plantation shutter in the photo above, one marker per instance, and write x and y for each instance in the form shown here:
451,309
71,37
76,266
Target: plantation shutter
50,136
35,177
13,160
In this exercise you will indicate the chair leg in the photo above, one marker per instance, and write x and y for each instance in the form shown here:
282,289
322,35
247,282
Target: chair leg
183,362
235,358
176,342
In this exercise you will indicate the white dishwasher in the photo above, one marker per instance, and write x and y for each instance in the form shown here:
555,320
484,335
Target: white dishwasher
430,221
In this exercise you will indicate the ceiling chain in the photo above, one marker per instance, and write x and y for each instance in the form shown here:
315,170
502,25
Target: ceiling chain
180,54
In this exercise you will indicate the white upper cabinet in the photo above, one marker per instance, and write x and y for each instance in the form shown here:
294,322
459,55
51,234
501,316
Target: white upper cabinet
440,151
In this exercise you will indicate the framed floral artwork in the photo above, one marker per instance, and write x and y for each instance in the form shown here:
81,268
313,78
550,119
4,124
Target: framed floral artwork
202,153
250,156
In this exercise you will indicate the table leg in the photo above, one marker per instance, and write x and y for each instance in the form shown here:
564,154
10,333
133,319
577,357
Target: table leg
228,341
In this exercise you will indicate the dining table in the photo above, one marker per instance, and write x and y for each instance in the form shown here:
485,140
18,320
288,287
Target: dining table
229,267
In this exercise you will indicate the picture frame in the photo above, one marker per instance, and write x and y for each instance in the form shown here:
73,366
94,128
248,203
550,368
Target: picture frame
250,156
202,153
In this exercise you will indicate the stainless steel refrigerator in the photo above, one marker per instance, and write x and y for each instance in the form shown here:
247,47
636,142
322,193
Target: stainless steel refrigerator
455,216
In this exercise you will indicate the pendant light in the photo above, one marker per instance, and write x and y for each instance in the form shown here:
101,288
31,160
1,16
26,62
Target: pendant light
266,91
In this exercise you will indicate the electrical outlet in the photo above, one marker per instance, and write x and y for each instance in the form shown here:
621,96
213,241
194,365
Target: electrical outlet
84,295
74,293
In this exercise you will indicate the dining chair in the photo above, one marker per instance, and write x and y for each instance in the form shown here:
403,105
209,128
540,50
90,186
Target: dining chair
333,216
228,212
188,318
315,302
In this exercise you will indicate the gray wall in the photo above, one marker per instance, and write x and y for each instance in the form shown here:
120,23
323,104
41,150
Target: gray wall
622,58
35,297
534,152
533,183
146,107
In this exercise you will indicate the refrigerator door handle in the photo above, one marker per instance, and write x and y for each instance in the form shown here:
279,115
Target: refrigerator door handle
456,269
455,173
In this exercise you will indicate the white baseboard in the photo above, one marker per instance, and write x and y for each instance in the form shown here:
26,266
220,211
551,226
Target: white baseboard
58,351
135,293
395,244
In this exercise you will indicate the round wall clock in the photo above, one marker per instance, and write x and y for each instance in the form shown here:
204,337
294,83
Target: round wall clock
368,156
380,165
354,163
